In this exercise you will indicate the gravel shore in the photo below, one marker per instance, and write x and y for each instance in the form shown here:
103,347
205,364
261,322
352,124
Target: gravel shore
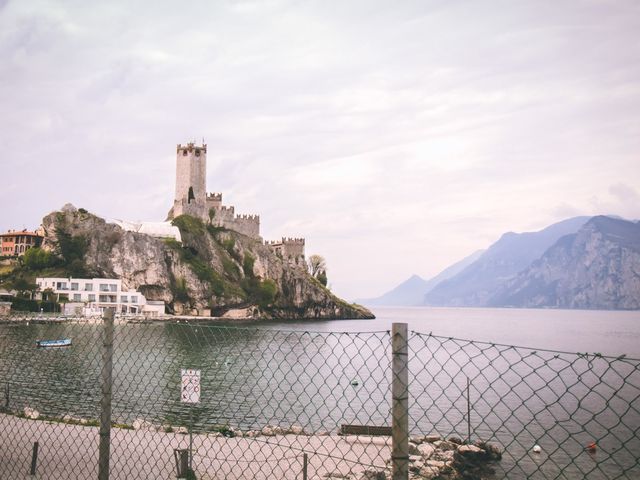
71,452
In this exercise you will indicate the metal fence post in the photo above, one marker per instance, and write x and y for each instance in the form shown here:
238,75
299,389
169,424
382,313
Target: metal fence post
400,401
105,402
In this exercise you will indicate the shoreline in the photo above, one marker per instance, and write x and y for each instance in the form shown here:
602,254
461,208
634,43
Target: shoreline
222,321
69,449
145,450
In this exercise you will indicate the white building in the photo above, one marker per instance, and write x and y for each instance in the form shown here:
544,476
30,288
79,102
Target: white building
154,229
93,295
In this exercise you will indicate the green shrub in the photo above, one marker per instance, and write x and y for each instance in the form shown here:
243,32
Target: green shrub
189,224
262,292
247,265
37,259
180,290
213,230
172,243
267,291
229,245
230,268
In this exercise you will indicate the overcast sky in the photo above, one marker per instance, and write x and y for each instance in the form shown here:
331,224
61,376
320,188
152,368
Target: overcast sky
396,136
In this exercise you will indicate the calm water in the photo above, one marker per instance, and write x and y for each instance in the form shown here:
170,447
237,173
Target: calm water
607,332
304,373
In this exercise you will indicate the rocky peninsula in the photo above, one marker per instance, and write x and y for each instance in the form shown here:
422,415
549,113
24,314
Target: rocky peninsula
212,271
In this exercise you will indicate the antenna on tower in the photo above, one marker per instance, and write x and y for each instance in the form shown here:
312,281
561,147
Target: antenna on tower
203,140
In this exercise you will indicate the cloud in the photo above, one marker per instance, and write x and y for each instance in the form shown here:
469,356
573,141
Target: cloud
396,138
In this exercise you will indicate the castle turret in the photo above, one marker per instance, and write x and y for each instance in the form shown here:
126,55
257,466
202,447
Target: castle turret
191,181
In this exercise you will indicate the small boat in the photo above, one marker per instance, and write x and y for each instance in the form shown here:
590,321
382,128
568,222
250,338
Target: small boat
63,342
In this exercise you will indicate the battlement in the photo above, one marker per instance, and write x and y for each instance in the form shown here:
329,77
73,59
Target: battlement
190,147
224,208
286,241
293,241
247,217
214,196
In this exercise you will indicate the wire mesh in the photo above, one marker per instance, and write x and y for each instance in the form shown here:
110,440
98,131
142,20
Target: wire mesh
268,398
273,403
554,414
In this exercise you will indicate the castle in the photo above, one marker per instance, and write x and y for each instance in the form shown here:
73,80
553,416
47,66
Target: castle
193,199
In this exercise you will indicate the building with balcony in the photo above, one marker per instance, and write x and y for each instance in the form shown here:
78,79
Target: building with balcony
15,243
93,295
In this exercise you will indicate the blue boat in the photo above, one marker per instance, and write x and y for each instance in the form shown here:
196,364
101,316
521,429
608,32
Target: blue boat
63,342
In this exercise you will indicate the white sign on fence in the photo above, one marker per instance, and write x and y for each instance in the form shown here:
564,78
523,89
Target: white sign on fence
190,386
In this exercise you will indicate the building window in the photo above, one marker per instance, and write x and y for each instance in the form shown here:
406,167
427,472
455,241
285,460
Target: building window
134,299
77,297
74,286
88,287
61,286
92,297
124,299
113,287
104,287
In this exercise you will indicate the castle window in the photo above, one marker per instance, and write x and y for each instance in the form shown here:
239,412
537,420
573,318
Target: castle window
197,152
184,152
191,195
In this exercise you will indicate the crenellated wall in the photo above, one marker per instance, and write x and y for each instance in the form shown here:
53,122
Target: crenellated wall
214,200
290,249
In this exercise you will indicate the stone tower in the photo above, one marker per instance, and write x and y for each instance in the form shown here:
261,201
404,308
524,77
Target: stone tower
191,181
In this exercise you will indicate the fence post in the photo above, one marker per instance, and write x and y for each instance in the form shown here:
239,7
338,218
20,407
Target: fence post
105,402
34,458
304,466
400,401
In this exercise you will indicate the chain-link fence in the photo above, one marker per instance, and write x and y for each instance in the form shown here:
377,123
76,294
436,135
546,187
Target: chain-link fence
278,404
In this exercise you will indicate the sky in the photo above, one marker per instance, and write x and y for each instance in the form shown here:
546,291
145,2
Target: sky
397,137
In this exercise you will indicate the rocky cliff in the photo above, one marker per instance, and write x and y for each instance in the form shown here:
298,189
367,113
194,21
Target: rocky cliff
213,268
596,268
513,252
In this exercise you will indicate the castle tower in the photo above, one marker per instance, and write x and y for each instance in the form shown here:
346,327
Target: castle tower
191,181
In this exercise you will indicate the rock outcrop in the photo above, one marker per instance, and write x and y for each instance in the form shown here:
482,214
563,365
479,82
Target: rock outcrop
214,269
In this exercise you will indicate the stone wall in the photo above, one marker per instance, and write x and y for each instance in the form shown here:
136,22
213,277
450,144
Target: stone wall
248,225
290,249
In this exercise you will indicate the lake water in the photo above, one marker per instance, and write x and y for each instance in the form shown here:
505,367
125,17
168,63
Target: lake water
321,374
607,332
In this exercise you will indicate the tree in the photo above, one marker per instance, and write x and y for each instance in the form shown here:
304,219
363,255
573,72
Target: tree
318,268
71,249
36,259
23,285
317,264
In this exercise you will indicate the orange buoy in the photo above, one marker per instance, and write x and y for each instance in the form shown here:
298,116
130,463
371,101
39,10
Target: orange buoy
591,447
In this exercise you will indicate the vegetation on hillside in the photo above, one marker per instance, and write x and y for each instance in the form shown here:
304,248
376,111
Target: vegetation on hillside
237,278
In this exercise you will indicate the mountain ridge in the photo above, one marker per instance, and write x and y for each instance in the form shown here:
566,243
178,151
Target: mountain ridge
503,260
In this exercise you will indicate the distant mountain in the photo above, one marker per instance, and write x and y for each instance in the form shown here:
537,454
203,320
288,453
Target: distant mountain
411,292
408,293
512,253
596,268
